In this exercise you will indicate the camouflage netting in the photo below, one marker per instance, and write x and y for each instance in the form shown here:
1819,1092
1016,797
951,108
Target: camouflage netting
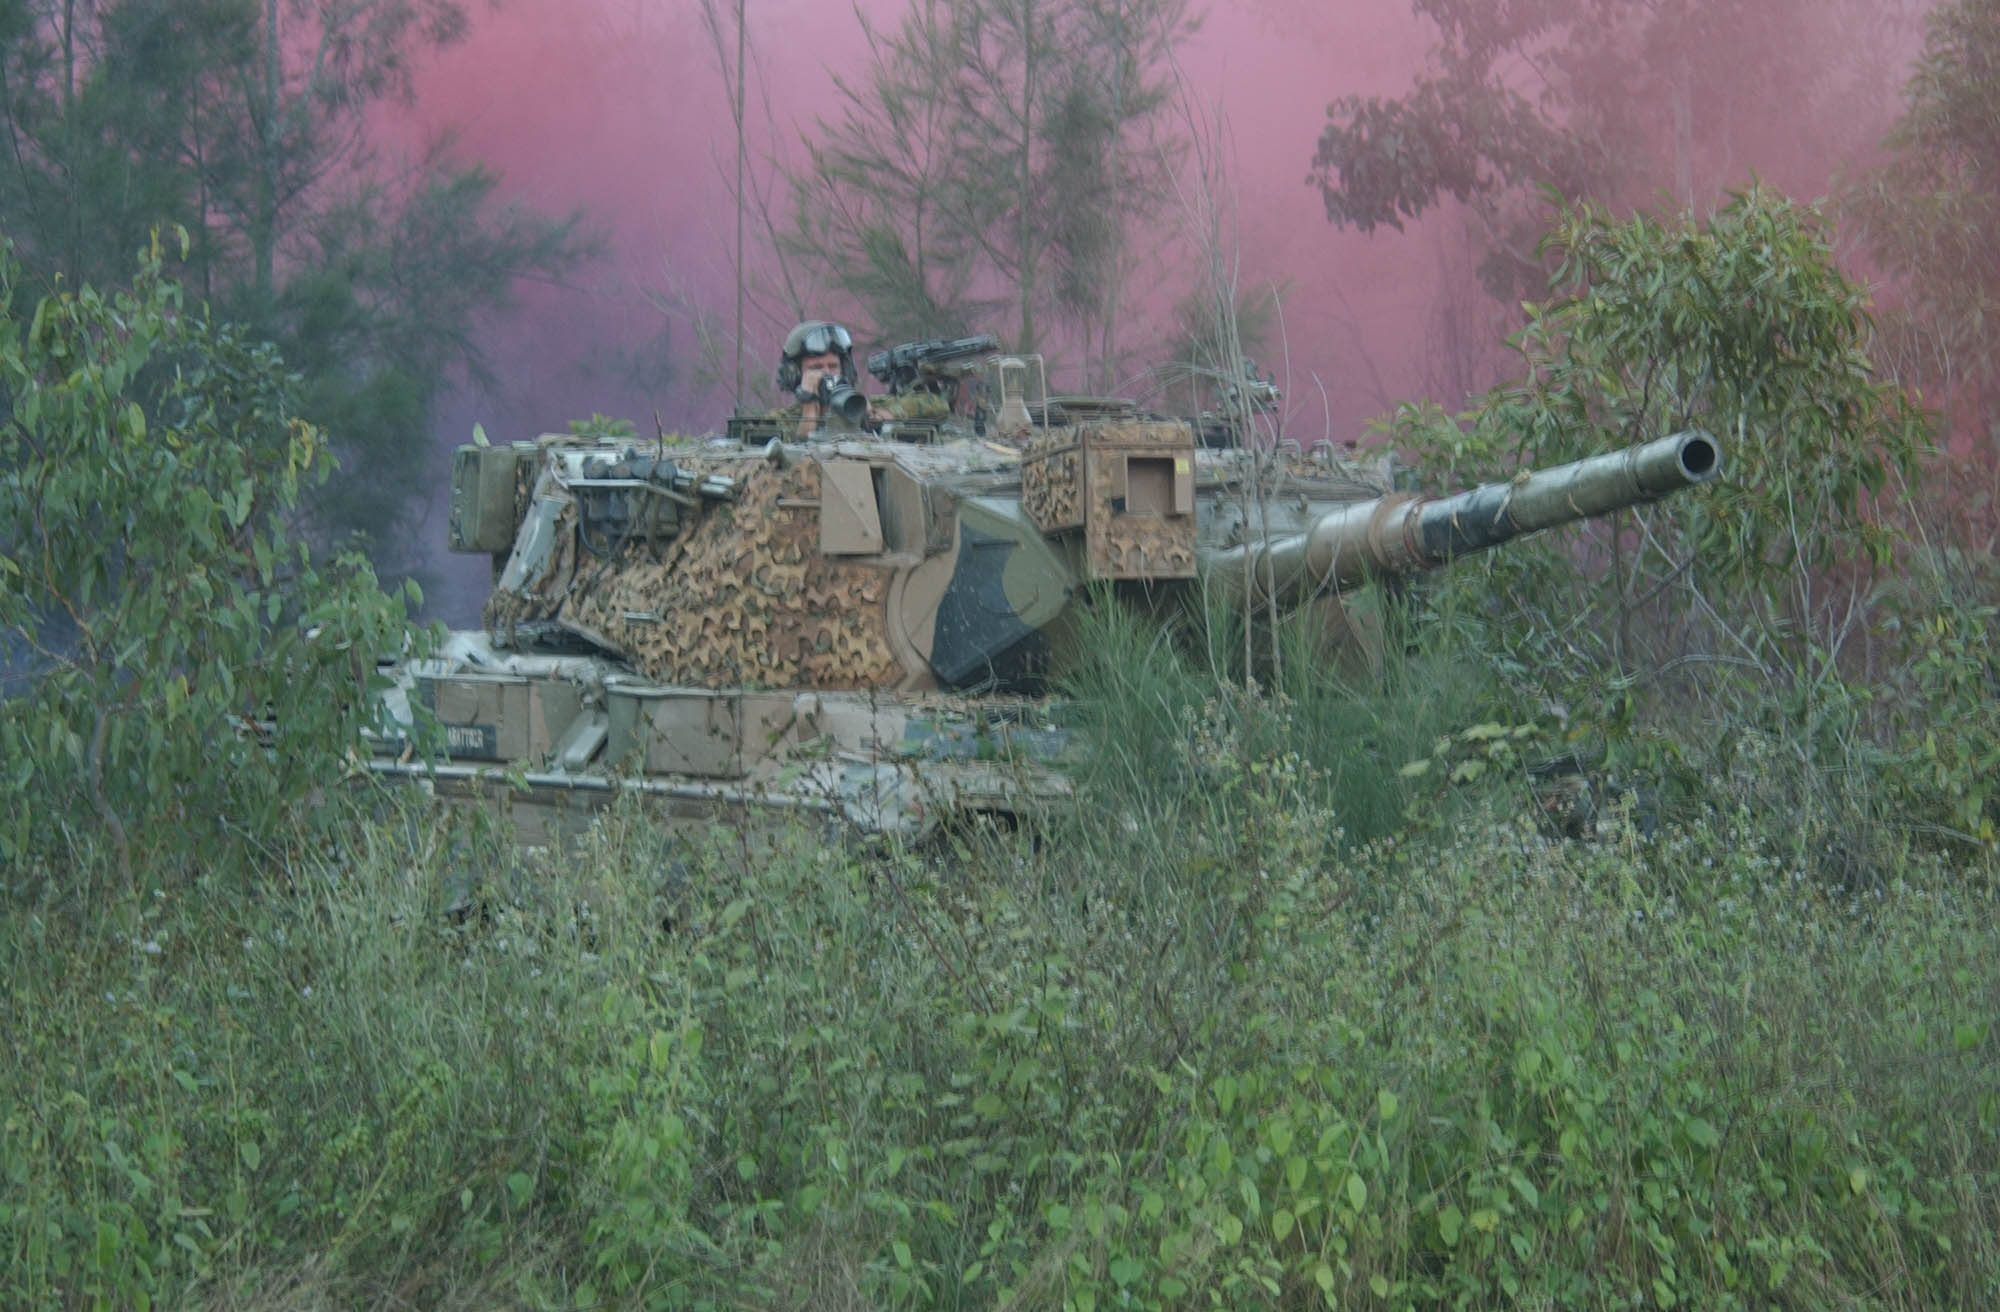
1136,546
740,598
1076,478
1052,483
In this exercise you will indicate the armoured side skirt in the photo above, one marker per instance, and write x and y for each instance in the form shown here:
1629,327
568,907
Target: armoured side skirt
904,801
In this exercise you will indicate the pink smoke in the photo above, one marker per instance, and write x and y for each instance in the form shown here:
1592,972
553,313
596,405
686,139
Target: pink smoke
618,106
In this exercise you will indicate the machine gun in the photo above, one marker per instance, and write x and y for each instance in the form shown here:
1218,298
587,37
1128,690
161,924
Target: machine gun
936,365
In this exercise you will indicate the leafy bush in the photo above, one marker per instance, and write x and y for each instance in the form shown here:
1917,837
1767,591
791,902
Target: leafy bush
1464,1065
1748,606
156,614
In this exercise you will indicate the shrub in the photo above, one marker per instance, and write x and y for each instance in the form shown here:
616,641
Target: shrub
157,617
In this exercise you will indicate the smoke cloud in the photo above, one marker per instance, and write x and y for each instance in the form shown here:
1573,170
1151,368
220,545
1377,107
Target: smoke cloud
619,107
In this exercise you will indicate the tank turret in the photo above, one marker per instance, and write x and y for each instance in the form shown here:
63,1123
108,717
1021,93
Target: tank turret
867,625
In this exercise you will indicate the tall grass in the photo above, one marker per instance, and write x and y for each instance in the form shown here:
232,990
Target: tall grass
1167,710
1255,1025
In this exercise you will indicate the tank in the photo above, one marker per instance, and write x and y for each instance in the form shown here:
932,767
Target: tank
866,626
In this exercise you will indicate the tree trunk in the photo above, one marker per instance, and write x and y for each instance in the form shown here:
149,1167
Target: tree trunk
741,200
264,225
1684,133
1024,203
73,237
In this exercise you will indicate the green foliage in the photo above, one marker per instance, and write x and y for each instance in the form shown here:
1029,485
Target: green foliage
1753,605
160,618
1168,717
1159,1057
1928,212
388,311
1929,215
603,426
1600,100
1943,704
1624,1075
1736,603
245,125
220,1099
1743,326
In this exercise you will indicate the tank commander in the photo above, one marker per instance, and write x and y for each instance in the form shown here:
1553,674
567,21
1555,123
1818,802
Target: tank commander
816,369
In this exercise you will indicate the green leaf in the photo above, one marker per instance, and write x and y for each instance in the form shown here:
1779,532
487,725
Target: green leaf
1450,1222
251,1155
1357,1191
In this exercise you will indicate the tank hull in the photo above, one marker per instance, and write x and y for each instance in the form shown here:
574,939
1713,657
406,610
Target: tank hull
548,741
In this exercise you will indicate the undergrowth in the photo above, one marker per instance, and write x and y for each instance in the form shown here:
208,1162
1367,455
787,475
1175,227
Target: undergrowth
1217,1037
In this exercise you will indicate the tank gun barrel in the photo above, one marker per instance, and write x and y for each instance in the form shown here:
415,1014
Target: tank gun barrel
1403,533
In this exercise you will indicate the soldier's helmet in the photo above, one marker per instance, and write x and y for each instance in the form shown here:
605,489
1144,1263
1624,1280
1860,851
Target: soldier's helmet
815,337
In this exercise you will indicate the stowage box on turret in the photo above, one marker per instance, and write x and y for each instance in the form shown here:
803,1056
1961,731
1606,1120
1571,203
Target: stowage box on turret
865,627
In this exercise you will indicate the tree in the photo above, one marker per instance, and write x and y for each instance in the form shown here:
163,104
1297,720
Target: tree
1742,325
995,156
1930,214
155,610
244,122
1612,100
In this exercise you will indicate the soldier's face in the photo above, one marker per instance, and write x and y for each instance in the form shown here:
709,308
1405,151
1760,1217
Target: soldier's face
812,368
